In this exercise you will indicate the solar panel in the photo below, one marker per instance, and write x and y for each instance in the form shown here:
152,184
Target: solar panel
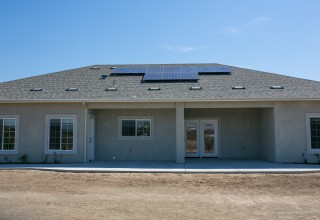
214,69
138,70
171,69
189,76
189,69
129,70
223,69
189,73
155,69
171,73
171,76
121,70
153,74
152,77
203,69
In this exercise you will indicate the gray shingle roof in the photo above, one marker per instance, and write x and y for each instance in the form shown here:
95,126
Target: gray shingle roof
130,88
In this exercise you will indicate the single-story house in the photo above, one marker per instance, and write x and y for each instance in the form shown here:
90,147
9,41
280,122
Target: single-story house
159,112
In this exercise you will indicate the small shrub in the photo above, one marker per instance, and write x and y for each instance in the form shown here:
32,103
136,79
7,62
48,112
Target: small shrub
23,158
6,159
45,160
304,158
56,158
318,157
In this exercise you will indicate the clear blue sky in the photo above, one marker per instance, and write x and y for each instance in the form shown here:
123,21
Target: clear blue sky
280,36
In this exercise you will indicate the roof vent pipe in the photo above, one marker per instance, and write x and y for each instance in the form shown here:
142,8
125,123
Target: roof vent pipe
154,88
276,87
95,68
238,87
195,88
111,89
72,89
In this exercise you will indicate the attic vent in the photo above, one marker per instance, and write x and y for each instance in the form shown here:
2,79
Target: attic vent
36,90
95,68
195,88
103,76
238,87
276,87
111,89
112,68
72,89
154,88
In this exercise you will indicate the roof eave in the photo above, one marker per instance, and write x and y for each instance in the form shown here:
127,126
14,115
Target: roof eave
151,100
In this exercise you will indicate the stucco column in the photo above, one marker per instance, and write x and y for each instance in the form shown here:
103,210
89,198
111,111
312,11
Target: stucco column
180,152
85,133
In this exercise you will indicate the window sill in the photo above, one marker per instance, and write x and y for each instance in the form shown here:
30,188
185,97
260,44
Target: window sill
135,138
61,152
8,152
313,151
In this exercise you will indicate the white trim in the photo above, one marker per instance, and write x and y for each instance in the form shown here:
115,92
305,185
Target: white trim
154,100
308,135
16,143
140,138
47,133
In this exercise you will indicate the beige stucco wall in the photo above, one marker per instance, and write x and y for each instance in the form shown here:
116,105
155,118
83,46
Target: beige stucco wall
162,147
32,129
275,131
290,130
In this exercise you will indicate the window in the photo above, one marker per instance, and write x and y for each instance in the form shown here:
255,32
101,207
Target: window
135,128
313,132
61,134
8,134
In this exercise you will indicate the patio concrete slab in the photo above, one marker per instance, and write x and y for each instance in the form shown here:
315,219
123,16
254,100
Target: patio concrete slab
204,165
246,166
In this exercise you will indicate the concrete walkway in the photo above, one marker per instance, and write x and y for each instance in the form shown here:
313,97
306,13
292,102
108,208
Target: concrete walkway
205,165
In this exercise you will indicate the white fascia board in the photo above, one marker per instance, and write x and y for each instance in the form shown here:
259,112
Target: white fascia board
151,100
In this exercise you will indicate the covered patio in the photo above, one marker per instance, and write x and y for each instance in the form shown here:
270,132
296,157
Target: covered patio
236,131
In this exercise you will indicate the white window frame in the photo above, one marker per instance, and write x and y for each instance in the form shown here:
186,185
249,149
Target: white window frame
308,117
151,137
47,134
16,146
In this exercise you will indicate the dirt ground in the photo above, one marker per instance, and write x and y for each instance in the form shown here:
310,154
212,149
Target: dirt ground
29,194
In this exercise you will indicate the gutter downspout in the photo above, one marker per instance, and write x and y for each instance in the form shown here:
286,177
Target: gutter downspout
85,132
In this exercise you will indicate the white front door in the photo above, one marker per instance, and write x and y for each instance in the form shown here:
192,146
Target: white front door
91,139
201,138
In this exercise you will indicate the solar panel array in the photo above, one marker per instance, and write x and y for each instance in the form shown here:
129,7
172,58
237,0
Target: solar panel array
171,73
